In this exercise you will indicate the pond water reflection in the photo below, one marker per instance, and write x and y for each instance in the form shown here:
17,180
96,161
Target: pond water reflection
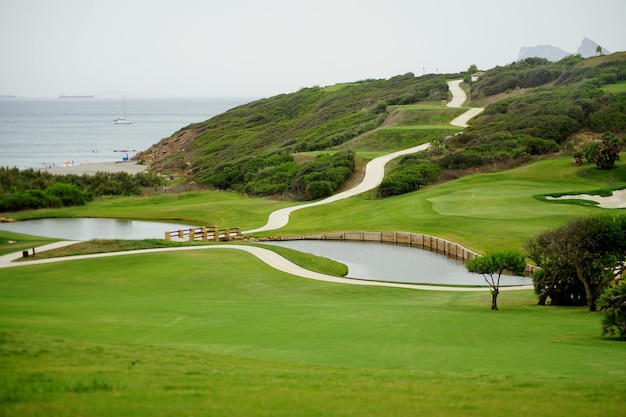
91,228
396,263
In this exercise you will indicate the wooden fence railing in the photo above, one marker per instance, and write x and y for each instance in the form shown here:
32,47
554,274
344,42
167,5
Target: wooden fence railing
204,233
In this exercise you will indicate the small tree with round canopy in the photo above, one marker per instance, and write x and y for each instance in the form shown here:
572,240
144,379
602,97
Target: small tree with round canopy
492,265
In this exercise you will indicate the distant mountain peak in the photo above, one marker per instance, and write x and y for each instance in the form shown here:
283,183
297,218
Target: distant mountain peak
550,52
587,49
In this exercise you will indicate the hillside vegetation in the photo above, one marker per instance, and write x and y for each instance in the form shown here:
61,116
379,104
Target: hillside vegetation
250,148
543,120
533,108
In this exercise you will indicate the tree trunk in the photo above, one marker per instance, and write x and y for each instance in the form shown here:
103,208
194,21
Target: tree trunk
581,276
494,298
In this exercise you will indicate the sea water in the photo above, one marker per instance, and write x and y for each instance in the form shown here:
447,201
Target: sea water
46,132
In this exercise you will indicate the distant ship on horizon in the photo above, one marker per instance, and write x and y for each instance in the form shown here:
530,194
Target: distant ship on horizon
76,96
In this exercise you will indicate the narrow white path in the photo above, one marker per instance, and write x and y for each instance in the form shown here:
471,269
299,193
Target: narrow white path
374,174
458,98
374,170
458,94
462,120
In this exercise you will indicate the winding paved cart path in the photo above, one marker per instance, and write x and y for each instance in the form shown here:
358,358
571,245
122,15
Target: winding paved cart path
375,169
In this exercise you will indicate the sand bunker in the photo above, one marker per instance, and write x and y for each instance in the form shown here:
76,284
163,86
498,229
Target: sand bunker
616,200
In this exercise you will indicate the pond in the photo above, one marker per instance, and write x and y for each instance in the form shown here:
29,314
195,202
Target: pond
91,228
395,263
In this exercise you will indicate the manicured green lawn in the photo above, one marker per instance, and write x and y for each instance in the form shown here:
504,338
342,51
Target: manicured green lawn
214,331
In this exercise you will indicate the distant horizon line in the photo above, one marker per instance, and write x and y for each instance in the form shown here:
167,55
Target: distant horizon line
92,96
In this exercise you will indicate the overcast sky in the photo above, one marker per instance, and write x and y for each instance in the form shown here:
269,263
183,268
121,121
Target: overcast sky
250,48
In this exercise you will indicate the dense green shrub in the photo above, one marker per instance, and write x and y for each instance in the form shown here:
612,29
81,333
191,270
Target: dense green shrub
272,180
277,173
266,174
411,173
613,303
611,117
57,195
32,189
324,175
604,153
26,200
319,189
537,146
67,194
462,160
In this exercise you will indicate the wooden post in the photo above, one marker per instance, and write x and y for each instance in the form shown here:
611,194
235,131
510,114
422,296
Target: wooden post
238,231
216,233
204,233
181,234
227,233
168,236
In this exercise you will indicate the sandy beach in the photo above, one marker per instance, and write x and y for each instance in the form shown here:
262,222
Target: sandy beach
129,167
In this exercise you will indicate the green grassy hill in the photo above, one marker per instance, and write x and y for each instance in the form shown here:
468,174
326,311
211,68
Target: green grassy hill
534,108
238,146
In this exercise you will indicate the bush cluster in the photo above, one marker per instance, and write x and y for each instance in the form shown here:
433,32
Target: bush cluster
57,195
610,117
277,173
605,152
411,173
324,175
538,122
266,174
578,260
495,148
613,303
33,189
531,72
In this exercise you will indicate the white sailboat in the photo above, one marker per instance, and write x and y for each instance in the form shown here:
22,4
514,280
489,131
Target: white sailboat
122,120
